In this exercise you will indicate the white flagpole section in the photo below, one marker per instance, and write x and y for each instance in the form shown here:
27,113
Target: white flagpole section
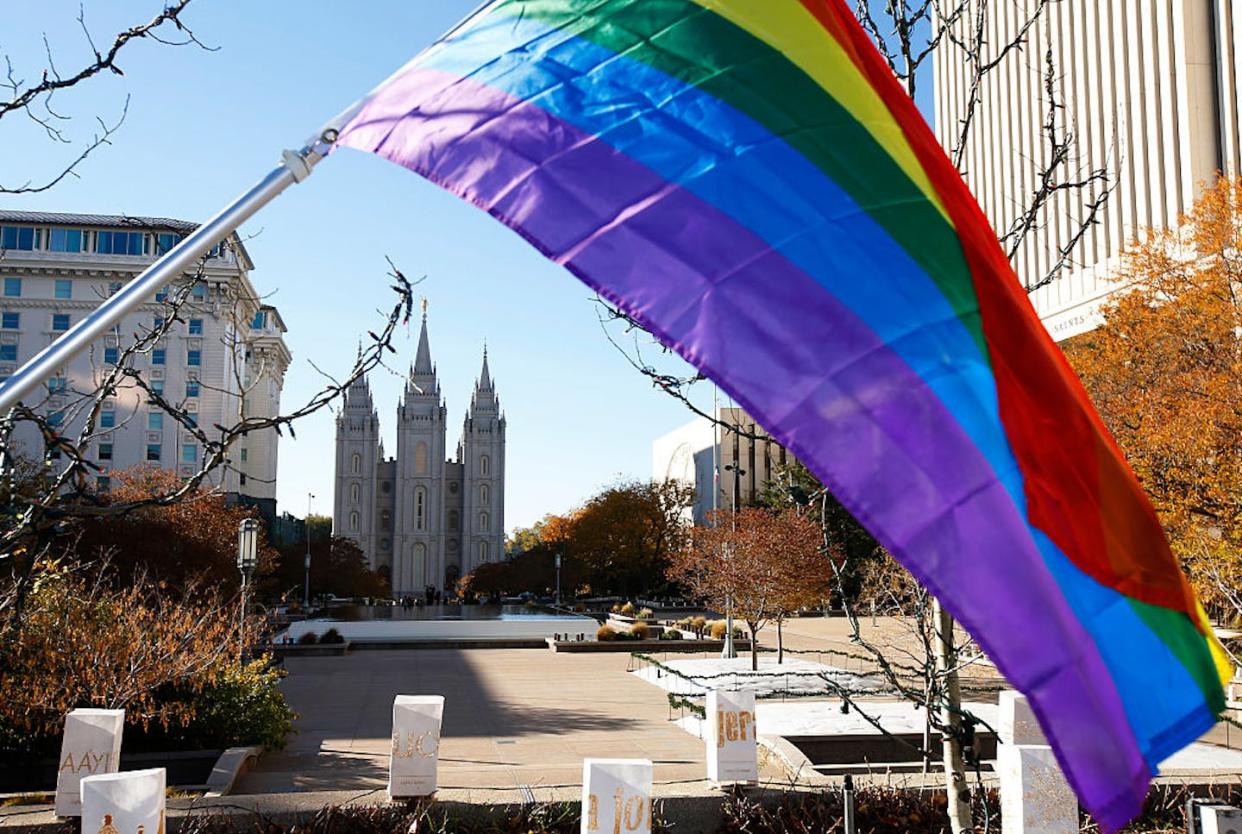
294,167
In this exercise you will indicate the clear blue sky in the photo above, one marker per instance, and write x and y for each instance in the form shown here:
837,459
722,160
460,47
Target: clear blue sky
203,125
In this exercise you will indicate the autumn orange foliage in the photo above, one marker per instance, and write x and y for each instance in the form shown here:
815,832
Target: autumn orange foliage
194,539
84,642
1165,373
768,563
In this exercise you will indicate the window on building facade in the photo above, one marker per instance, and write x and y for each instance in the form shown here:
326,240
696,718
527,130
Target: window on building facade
482,551
13,287
155,421
11,321
357,465
189,453
157,323
164,242
107,419
23,238
484,521
103,483
153,451
191,387
157,386
245,454
161,295
8,353
65,240
199,292
454,520
60,321
105,451
483,465
57,385
194,358
260,320
120,243
158,356
420,509
112,355
485,494
354,492
196,327
353,522
64,288
386,520
420,458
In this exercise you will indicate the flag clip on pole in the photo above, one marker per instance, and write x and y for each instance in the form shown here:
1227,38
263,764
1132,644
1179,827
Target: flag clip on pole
294,167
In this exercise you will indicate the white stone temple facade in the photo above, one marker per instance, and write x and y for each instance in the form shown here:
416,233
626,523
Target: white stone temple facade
421,518
1151,92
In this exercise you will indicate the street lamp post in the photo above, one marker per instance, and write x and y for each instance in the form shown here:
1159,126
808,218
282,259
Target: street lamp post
558,579
247,558
728,651
310,496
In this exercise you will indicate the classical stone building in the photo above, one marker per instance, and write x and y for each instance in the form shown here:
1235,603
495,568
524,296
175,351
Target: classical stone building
420,517
225,357
1151,92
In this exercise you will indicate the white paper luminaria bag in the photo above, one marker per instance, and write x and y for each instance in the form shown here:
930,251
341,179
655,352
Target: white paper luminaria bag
131,802
90,746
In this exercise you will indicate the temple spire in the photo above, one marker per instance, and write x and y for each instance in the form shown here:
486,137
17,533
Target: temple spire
422,359
485,378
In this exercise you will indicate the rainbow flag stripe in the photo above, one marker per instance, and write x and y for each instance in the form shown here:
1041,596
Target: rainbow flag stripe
750,182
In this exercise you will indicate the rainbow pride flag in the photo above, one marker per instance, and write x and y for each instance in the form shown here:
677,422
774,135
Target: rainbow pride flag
749,181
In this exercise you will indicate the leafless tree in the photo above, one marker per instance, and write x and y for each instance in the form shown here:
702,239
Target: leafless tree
37,98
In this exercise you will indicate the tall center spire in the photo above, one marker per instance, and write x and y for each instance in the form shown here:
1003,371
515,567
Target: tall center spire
422,359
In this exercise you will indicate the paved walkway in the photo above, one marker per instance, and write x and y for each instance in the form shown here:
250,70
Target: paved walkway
512,717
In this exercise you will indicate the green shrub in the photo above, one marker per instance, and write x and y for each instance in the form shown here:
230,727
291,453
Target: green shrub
332,636
646,614
244,707
310,638
670,634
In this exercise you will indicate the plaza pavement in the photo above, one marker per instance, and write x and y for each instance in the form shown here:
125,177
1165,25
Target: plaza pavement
513,718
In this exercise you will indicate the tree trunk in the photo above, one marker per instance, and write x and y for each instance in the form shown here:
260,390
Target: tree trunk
951,720
780,642
754,647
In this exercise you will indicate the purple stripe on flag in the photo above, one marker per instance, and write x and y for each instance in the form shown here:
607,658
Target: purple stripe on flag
801,363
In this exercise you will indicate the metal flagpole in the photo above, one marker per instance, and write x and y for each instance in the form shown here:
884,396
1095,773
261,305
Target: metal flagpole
294,167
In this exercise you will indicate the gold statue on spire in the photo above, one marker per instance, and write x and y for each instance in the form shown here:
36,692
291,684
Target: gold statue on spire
424,308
